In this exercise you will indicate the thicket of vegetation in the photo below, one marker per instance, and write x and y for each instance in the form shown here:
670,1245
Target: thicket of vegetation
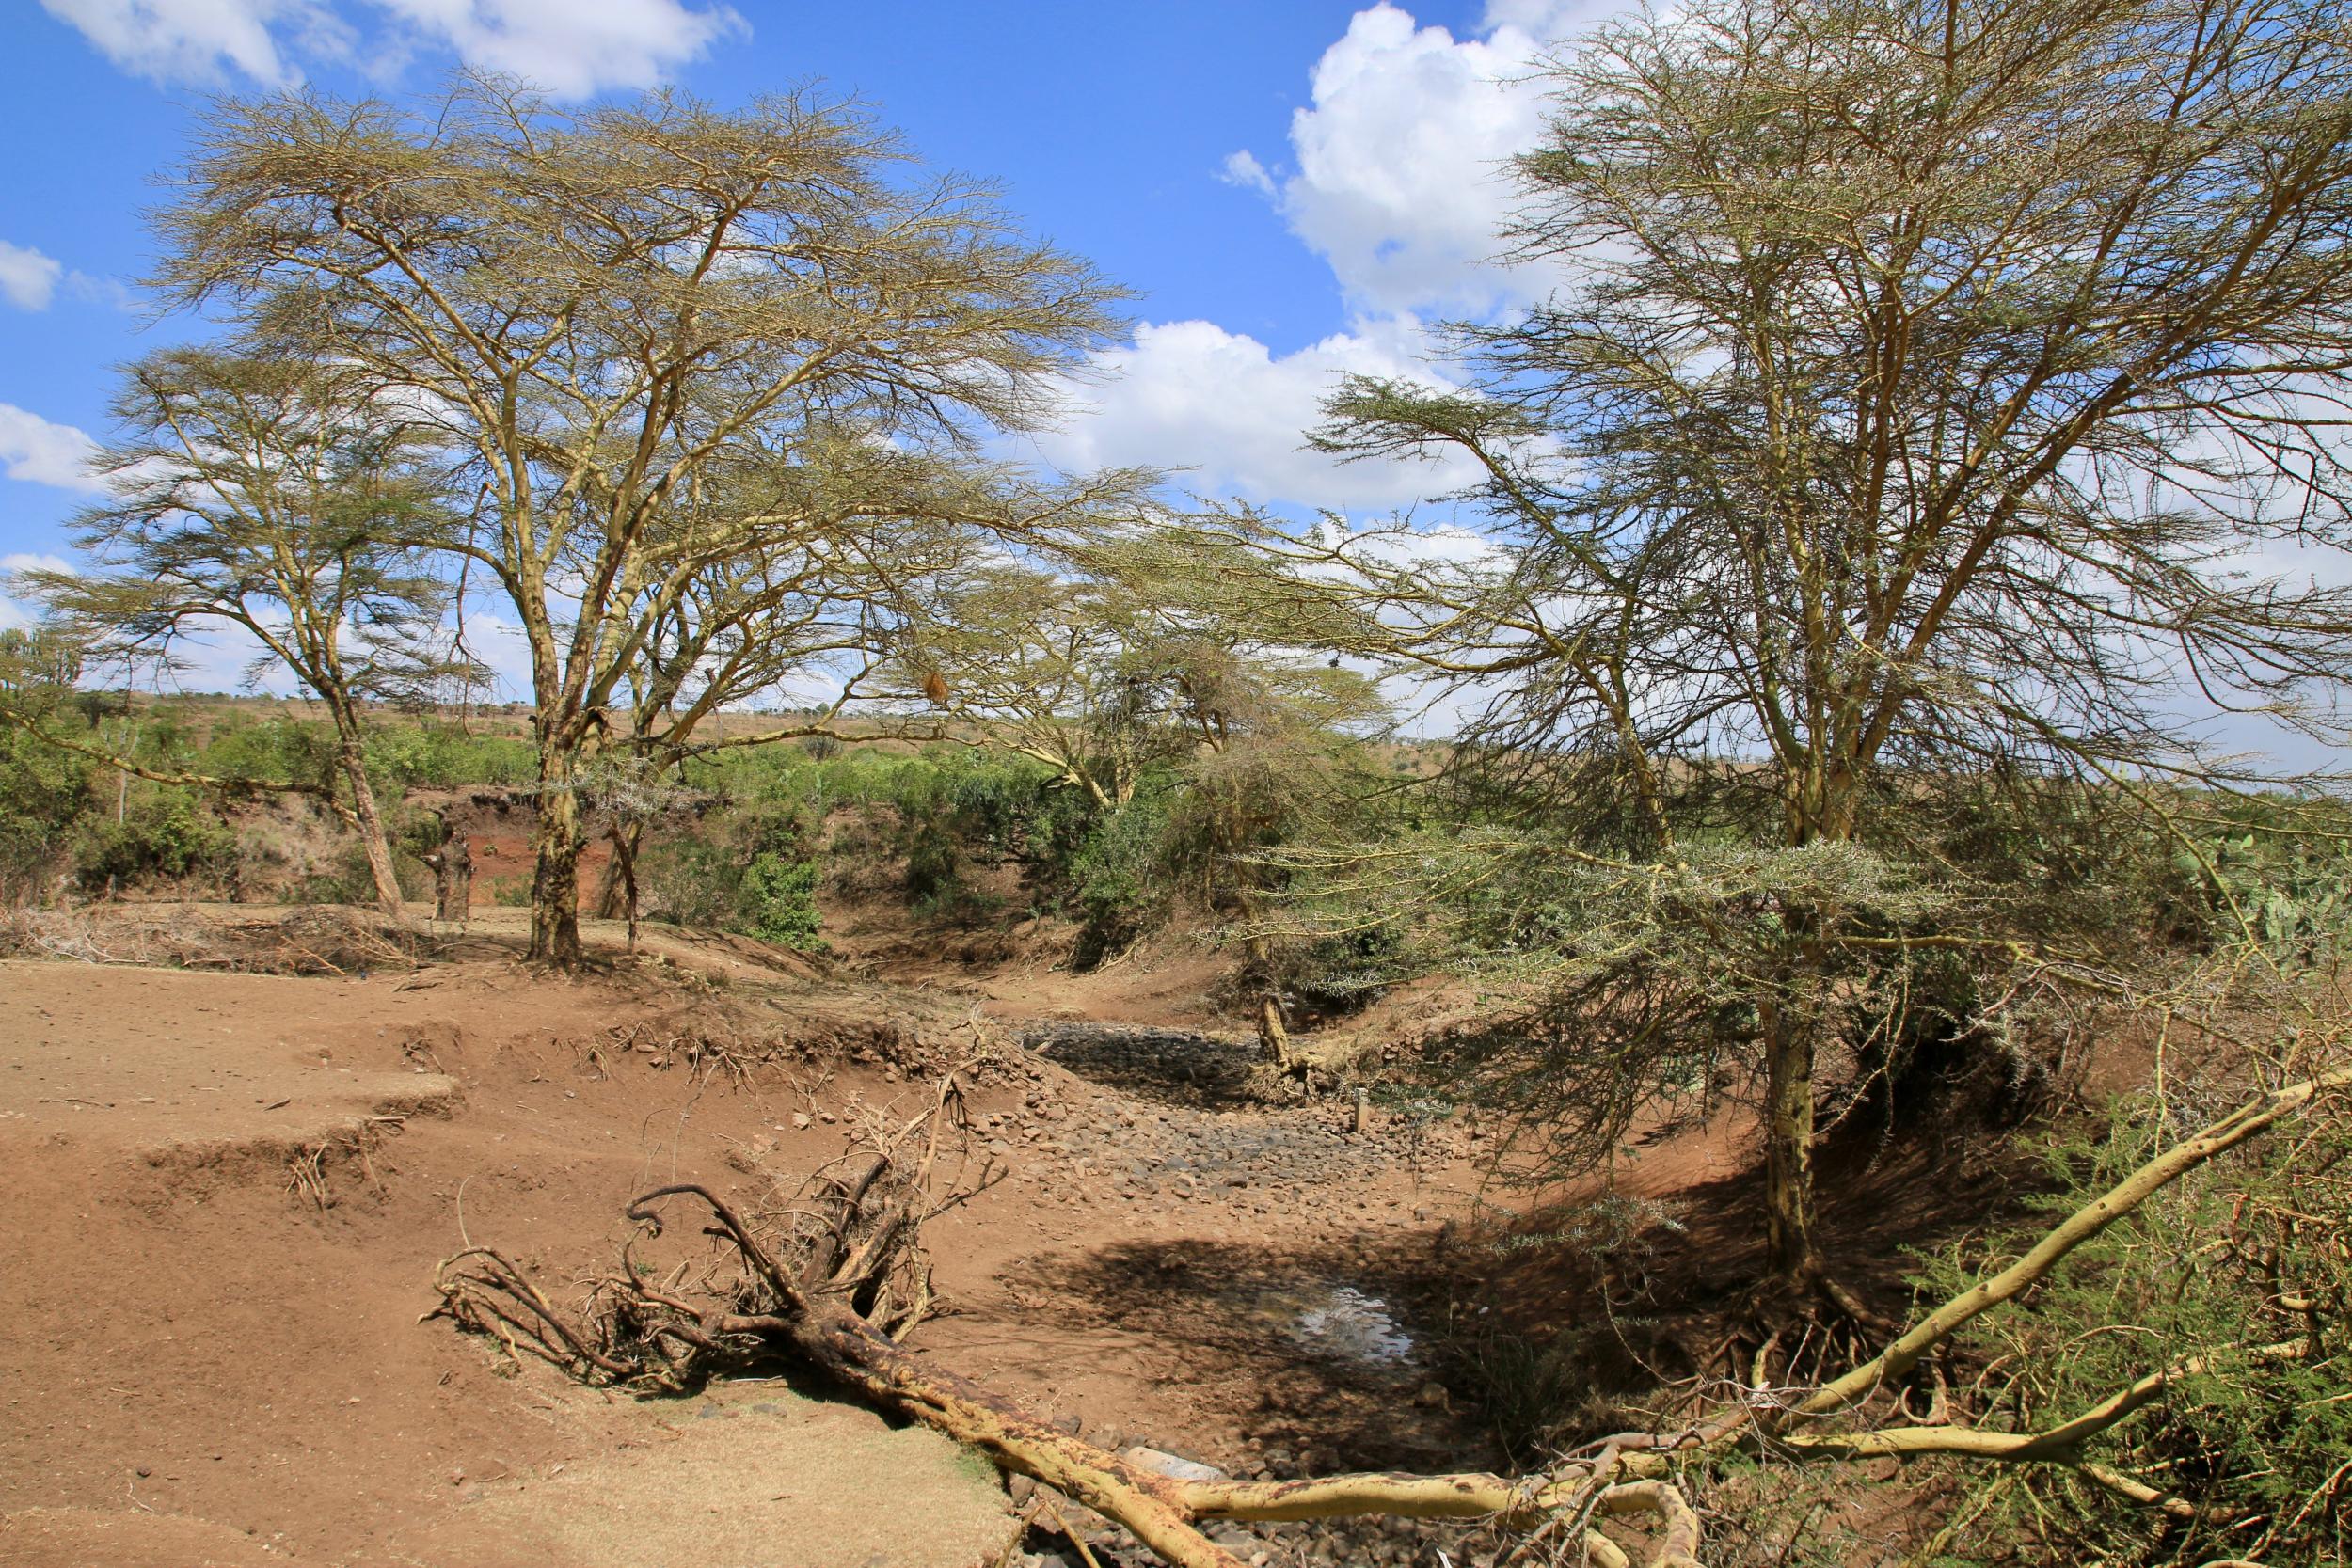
1935,400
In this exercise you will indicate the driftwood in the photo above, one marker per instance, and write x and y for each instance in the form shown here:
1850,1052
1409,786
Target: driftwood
452,881
831,1277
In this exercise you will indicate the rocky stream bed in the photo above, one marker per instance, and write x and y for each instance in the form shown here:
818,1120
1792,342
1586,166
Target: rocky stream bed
1192,1125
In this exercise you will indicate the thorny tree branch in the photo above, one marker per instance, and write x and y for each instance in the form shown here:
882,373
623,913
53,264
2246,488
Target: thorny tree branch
833,1276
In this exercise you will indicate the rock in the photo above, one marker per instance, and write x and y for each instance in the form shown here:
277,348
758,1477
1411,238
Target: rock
1161,1463
799,1119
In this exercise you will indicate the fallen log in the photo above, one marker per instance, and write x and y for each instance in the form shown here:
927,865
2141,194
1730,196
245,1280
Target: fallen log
832,1275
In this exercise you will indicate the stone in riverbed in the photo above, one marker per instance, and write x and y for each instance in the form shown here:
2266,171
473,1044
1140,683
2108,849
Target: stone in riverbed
1160,1462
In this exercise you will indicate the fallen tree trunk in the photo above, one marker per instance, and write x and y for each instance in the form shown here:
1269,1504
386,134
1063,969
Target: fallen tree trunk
834,1286
830,1277
818,1329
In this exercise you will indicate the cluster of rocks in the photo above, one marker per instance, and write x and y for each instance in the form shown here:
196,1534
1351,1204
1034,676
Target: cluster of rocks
1164,1116
1184,1120
1178,1066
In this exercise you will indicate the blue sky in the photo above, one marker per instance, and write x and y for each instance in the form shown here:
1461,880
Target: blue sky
1292,189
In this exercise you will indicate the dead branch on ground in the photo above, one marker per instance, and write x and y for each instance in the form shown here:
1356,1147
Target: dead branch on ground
831,1277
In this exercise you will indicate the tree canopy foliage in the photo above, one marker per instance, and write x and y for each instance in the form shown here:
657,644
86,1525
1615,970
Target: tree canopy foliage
643,334
281,498
1938,396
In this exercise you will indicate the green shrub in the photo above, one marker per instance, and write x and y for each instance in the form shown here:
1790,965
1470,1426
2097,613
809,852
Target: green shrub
2238,1275
1118,878
276,747
161,836
445,756
748,866
778,902
692,881
42,791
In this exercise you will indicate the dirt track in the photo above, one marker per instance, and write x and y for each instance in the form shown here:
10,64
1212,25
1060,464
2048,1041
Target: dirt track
211,1366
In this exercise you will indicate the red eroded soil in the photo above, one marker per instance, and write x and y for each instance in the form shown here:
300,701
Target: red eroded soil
229,1192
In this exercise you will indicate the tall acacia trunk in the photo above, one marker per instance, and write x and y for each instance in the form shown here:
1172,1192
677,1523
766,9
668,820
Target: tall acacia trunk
616,891
555,876
351,757
1788,1147
1792,1032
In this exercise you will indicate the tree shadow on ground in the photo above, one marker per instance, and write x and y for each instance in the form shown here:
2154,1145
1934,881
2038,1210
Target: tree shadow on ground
1326,1348
1671,1268
1170,1067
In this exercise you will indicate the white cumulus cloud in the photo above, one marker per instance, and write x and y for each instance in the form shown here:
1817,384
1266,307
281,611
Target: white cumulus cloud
193,41
1399,175
1192,393
27,277
570,48
22,614
34,449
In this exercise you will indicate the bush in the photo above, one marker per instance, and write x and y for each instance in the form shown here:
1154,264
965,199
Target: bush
2253,1437
42,791
1118,882
161,836
778,902
445,756
749,868
692,881
277,748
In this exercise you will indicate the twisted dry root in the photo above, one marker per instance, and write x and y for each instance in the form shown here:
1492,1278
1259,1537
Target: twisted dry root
834,1279
831,1278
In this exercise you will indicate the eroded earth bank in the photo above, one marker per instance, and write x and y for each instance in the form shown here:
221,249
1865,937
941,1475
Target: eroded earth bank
229,1191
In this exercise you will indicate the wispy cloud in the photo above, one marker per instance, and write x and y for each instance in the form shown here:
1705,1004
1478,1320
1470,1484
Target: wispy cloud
565,47
27,277
44,452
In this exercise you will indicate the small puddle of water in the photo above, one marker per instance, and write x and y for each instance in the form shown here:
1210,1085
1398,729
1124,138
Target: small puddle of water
1353,1326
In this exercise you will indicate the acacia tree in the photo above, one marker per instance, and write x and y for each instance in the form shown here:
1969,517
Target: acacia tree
1018,653
1131,638
1933,389
275,497
1178,645
850,535
1269,742
595,309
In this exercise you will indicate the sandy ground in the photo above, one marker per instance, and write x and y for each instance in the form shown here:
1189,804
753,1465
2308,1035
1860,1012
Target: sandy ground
229,1192
206,1366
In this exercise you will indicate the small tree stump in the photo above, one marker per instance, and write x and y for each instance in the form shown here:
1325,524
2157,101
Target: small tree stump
452,881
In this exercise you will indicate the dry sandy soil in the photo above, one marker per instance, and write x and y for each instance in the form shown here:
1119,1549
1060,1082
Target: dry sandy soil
228,1192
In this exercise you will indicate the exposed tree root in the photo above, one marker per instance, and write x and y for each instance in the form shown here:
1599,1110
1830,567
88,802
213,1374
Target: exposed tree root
830,1276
